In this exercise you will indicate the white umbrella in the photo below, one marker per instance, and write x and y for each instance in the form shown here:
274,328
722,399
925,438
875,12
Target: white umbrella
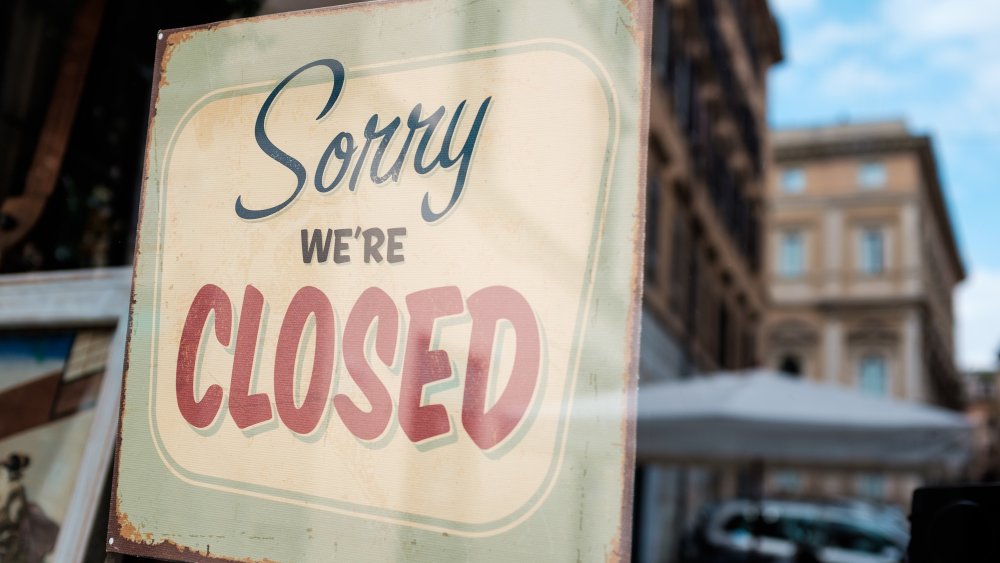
763,416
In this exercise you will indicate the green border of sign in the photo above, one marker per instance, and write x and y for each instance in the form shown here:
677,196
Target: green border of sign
435,523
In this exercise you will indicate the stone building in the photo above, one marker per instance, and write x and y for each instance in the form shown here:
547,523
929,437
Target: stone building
983,412
861,265
708,159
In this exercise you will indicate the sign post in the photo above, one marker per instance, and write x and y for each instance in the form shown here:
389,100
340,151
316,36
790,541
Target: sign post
387,286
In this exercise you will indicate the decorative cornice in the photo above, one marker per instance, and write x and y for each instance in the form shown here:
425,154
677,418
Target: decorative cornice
770,38
794,333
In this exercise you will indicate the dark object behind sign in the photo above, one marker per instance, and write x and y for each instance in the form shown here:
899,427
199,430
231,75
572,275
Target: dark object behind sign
955,524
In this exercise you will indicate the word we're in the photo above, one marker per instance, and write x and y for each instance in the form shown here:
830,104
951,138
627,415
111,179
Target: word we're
372,239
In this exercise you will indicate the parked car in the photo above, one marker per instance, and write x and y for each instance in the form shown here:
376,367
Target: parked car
782,531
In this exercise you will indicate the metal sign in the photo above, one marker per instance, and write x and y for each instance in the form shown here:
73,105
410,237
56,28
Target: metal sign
387,286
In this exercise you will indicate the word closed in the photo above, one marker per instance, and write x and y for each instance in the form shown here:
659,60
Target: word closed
487,426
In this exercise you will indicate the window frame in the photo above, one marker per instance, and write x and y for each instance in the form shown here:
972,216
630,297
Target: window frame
871,256
872,175
651,244
863,375
78,299
796,187
798,270
872,486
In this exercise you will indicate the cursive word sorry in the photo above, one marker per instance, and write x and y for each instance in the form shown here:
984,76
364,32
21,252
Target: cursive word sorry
348,152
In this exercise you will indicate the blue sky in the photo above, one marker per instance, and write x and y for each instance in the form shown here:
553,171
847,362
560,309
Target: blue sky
935,64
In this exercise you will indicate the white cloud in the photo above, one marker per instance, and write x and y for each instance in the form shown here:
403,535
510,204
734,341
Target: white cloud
978,331
957,35
933,20
853,78
827,39
903,37
949,57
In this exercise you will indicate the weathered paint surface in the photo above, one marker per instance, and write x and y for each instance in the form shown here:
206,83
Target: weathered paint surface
406,328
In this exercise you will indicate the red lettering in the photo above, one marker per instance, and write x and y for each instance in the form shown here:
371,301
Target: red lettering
487,425
209,298
487,428
308,301
422,365
246,409
373,304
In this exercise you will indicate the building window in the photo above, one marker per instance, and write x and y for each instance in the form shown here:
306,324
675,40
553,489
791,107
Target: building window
693,284
652,227
872,376
871,255
661,37
793,181
788,482
792,255
678,261
749,348
723,344
791,365
871,487
683,94
871,175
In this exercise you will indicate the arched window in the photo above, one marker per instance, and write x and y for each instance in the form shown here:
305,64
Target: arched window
791,365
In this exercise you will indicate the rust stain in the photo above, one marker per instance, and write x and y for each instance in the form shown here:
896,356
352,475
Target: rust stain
621,546
173,38
165,50
638,10
632,6
180,35
125,528
115,525
641,29
131,540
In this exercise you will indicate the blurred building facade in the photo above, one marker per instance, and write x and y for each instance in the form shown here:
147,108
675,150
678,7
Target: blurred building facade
983,412
707,163
861,266
709,155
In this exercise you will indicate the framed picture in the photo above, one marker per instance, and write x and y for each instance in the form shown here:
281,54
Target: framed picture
62,347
